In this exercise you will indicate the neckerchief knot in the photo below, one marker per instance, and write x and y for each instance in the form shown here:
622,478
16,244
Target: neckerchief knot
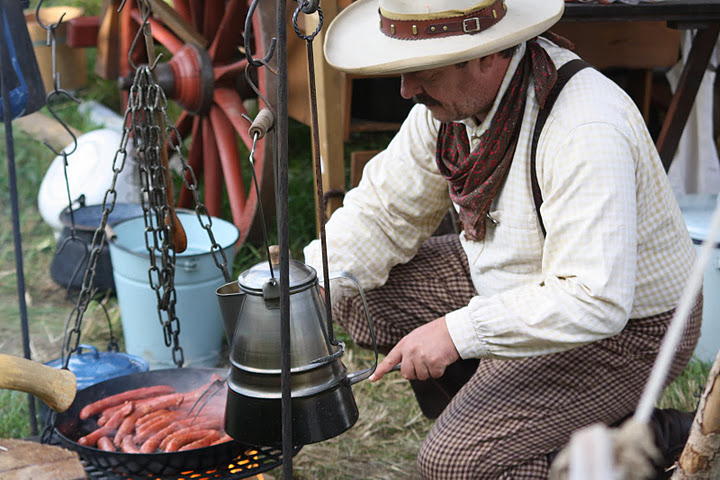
475,177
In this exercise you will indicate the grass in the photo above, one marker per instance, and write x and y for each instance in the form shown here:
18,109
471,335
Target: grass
685,392
14,419
384,441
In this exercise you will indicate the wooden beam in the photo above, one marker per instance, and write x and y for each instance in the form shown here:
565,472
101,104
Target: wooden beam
177,24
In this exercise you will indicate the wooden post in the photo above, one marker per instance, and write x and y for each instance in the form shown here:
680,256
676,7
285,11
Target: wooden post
700,459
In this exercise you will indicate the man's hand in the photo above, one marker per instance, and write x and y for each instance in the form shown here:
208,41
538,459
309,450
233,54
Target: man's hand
424,353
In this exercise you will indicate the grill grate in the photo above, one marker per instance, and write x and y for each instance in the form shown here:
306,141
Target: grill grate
244,465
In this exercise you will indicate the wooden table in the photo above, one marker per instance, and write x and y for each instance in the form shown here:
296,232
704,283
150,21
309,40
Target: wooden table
703,15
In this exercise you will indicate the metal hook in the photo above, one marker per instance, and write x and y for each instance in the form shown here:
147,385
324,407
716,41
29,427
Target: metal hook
248,28
50,96
257,90
145,16
155,62
51,41
47,27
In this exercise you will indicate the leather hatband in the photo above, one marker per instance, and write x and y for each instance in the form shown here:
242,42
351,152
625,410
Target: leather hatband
468,24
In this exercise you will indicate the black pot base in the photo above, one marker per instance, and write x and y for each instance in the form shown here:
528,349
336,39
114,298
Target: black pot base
258,421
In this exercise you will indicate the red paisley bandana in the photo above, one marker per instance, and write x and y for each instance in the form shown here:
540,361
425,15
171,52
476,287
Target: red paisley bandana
476,177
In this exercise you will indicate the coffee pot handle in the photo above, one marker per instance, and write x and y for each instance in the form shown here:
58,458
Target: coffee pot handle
358,376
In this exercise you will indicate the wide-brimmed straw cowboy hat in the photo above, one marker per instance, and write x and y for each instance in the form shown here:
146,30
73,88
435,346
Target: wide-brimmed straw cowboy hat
372,37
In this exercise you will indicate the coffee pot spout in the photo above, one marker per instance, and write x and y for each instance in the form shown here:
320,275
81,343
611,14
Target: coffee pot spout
231,300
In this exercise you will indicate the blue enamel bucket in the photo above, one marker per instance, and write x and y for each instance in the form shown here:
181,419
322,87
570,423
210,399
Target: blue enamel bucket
697,210
197,277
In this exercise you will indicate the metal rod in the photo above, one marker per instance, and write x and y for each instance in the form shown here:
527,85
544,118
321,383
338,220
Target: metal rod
321,203
283,238
5,69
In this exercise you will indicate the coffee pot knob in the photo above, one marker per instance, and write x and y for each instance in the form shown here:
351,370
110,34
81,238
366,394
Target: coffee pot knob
274,254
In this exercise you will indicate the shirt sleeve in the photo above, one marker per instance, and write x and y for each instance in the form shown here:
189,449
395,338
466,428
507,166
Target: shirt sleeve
589,257
399,202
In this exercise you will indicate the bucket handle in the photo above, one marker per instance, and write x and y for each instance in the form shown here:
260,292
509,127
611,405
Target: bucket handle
358,376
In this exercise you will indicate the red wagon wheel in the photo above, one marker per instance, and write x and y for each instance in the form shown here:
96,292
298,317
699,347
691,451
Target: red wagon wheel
203,71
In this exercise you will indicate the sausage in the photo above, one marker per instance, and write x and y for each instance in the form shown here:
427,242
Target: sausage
164,402
91,438
113,400
126,428
117,418
224,438
182,438
148,417
104,443
209,424
150,428
203,442
128,445
107,413
153,443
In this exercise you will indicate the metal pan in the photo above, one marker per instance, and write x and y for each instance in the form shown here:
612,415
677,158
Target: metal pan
69,428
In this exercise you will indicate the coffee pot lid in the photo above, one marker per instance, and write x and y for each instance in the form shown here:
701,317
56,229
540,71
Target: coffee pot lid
256,277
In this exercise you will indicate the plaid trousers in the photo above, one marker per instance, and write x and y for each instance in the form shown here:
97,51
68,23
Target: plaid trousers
512,413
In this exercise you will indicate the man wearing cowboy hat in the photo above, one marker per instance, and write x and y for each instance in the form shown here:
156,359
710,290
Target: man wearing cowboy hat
573,253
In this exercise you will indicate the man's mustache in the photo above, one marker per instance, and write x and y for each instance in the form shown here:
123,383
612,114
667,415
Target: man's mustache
425,99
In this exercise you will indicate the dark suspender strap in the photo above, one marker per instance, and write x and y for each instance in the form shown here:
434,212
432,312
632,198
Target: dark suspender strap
565,73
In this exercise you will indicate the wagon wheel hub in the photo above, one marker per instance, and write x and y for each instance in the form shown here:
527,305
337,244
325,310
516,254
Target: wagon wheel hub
188,79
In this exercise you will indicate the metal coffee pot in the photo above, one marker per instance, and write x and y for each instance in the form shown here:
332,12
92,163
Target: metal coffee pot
322,402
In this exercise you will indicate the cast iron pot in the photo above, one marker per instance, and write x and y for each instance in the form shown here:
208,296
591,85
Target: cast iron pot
72,252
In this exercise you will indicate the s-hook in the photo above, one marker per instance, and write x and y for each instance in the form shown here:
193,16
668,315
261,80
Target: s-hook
57,91
248,51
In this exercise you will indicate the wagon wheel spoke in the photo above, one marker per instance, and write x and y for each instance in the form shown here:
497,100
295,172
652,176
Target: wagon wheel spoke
232,106
160,33
194,161
213,16
183,8
183,124
212,168
229,157
232,69
228,36
196,13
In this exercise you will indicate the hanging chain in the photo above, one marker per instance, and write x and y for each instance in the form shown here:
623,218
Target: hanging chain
73,325
148,101
133,124
151,128
174,141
